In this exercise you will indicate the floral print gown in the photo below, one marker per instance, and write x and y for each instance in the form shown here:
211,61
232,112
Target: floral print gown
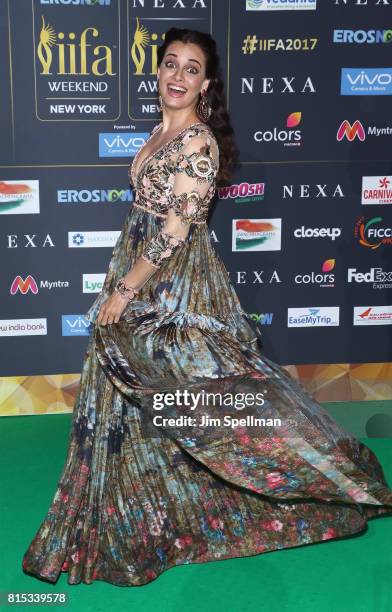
135,497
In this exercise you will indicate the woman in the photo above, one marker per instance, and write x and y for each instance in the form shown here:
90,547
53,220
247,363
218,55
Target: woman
143,488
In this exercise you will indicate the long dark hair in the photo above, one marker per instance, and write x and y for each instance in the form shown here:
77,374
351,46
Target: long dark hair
219,121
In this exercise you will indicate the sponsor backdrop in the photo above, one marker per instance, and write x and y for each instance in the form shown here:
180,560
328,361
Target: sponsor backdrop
304,228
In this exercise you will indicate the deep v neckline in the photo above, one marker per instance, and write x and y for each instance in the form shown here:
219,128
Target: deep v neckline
145,161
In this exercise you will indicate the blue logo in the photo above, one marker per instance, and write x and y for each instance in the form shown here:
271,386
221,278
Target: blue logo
361,37
126,144
366,82
263,318
280,5
75,325
78,2
94,196
78,239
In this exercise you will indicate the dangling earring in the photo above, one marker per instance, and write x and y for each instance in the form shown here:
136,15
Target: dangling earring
203,109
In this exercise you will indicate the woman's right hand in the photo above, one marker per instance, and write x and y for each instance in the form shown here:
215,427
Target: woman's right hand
111,310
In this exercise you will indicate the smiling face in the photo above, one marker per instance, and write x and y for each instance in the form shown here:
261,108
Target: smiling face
182,75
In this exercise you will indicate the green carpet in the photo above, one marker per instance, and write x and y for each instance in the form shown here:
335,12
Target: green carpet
349,575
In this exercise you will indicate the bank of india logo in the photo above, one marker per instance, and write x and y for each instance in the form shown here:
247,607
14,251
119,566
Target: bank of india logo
351,132
281,5
24,286
23,327
371,233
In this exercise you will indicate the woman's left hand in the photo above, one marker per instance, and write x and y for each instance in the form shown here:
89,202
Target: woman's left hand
111,310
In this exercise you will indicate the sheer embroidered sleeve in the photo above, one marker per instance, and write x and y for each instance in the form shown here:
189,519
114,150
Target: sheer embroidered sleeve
193,186
193,177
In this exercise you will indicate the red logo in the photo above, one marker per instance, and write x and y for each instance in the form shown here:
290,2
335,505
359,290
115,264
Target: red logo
365,313
24,286
356,130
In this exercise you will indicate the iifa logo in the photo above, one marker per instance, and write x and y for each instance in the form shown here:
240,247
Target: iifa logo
75,325
121,145
73,58
24,286
346,130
